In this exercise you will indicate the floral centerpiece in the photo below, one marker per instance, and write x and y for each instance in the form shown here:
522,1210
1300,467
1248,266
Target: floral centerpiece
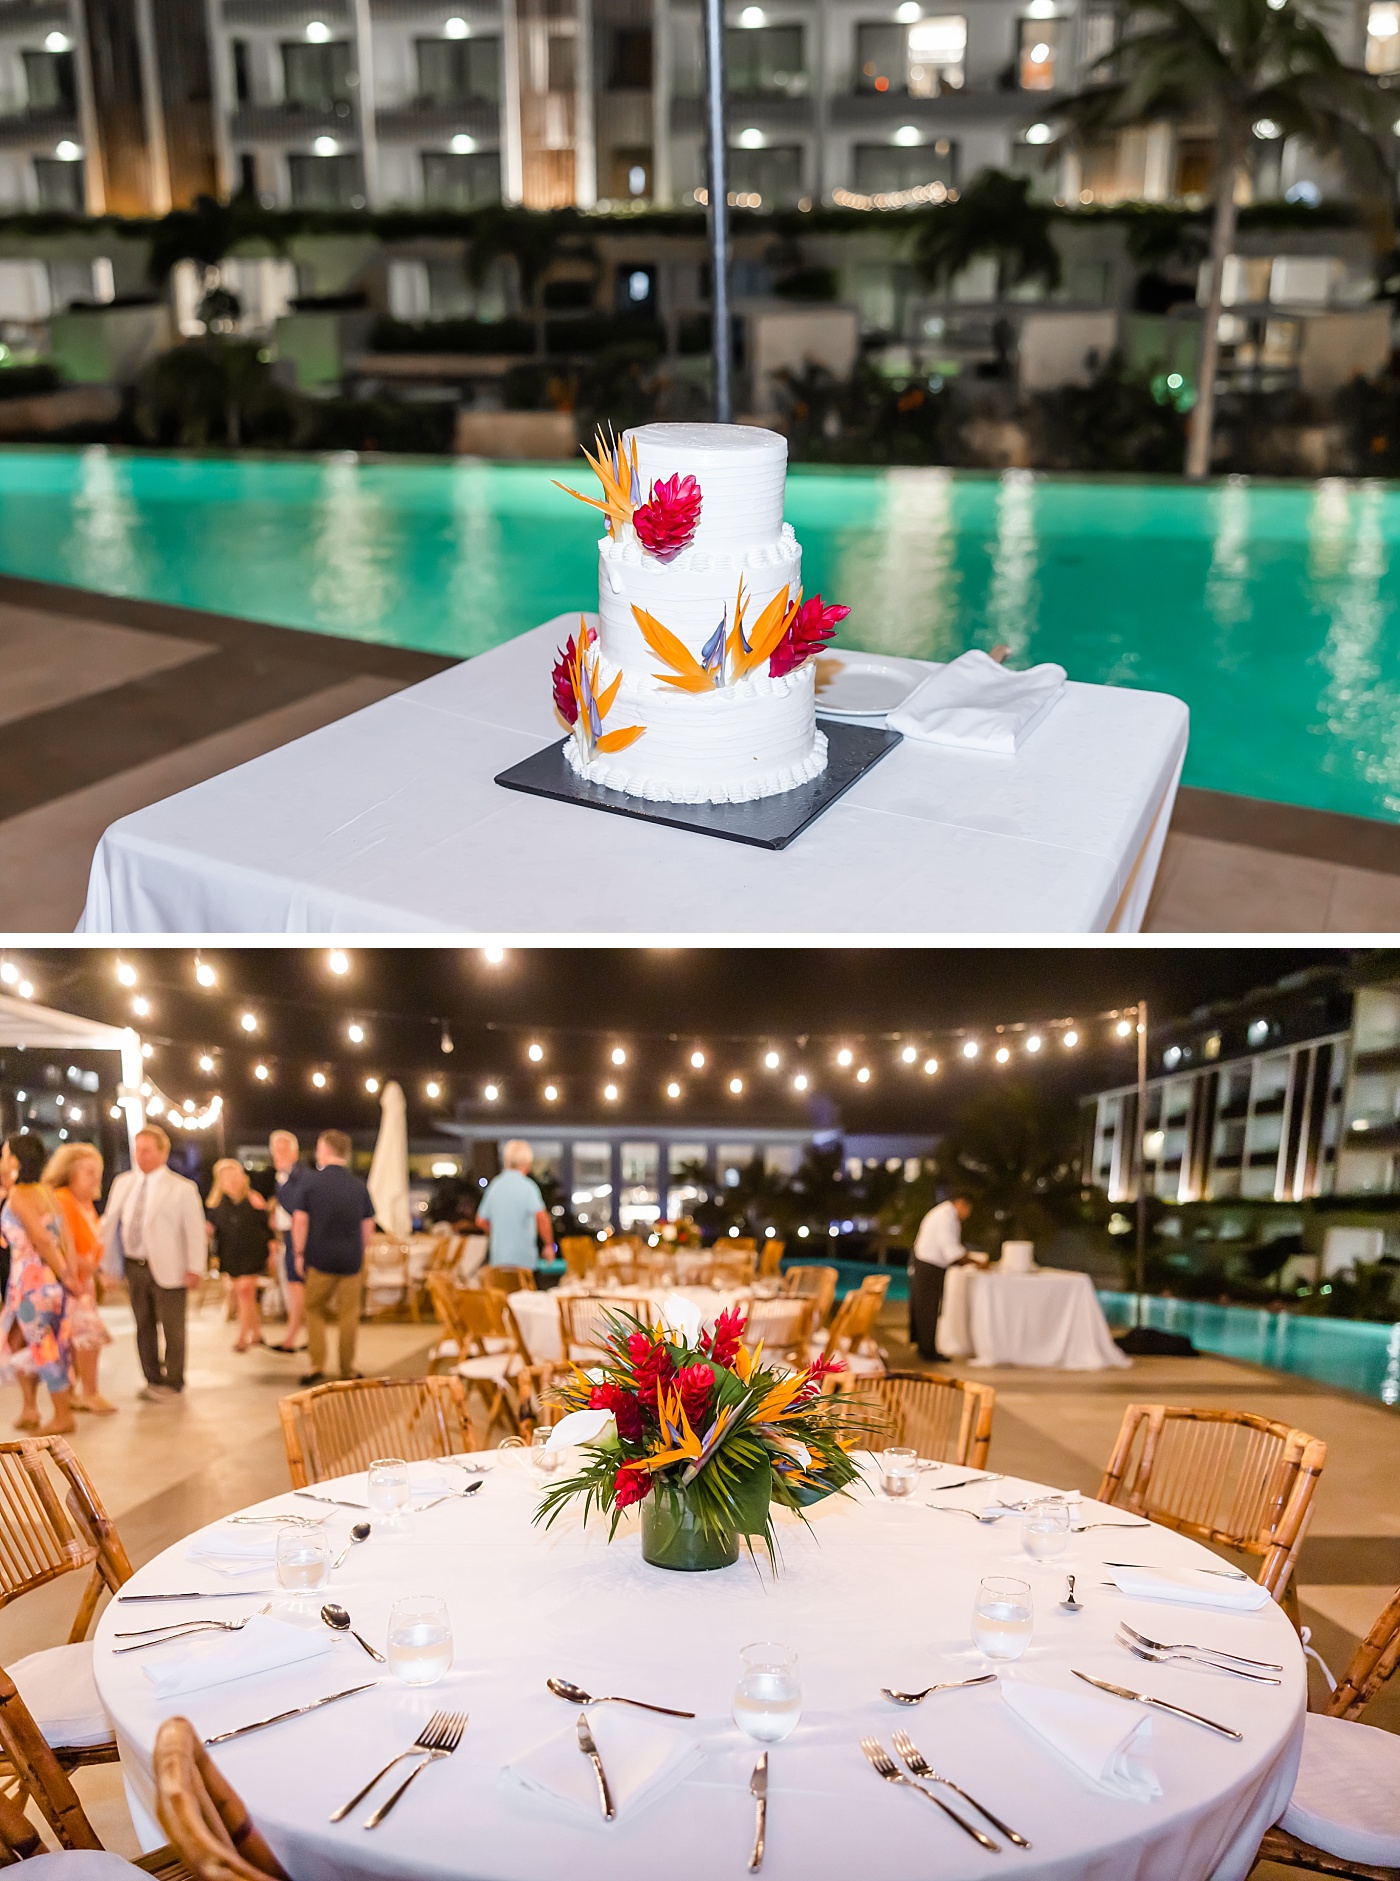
695,1428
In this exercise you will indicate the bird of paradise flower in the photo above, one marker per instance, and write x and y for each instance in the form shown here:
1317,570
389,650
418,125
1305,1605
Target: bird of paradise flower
620,478
730,654
576,673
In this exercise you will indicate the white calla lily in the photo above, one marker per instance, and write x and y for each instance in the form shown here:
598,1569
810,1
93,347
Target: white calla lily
580,1427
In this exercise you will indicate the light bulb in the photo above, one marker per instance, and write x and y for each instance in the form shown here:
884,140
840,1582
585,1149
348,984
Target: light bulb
536,1053
1033,1042
1123,1028
318,1078
141,1007
1071,1039
432,1090
736,1085
493,956
337,961
1003,1055
908,1054
970,1048
697,1061
610,1092
619,1057
371,1085
204,973
673,1090
148,1051
551,1092
126,975
799,1083
771,1060
206,1063
491,1093
261,1073
446,1040
863,1075
844,1056
249,1021
25,989
115,1112
355,1033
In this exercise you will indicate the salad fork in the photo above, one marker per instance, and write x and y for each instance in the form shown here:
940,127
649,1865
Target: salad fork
143,1635
919,1764
1217,1652
1160,1656
884,1765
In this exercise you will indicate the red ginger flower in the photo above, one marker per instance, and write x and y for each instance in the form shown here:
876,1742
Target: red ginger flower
697,1383
624,1407
631,1486
819,1369
565,704
728,1336
651,1365
812,626
666,522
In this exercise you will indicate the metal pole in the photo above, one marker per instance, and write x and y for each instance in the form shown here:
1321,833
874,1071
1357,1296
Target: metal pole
718,208
1141,1272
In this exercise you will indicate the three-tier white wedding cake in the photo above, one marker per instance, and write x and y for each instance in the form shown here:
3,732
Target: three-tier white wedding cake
699,684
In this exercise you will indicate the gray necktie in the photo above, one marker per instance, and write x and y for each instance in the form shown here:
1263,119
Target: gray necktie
136,1228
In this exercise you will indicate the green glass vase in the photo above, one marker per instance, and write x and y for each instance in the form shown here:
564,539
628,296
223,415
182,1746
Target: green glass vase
673,1538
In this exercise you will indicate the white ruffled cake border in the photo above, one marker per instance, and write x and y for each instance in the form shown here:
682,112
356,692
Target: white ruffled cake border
599,770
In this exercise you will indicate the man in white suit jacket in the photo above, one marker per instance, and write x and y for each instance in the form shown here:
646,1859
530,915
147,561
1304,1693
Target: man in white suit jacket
156,1219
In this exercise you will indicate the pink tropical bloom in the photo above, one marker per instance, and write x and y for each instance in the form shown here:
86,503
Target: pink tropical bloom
812,626
666,523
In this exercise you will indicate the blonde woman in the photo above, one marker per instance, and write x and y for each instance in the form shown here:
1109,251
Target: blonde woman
243,1240
74,1173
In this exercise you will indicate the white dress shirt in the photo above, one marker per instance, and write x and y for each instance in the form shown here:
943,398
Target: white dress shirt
939,1239
159,1218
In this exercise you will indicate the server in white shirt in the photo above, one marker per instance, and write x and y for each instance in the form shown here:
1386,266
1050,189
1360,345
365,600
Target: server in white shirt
937,1247
156,1218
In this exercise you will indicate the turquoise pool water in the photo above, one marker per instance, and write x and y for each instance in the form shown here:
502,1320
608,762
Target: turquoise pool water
1270,608
1356,1354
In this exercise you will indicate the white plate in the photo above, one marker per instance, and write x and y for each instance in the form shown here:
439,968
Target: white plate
865,685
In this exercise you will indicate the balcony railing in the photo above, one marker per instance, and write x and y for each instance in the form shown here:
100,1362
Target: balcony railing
765,110
479,117
18,16
291,123
20,129
285,12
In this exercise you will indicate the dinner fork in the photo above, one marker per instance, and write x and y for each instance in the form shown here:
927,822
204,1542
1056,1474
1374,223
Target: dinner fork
429,1738
921,1767
143,1635
1158,1656
1218,1652
884,1765
447,1741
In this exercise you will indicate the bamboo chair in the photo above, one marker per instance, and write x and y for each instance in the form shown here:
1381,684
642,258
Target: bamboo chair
876,1284
1230,1477
491,1357
208,1825
817,1284
770,1262
508,1279
586,1322
340,1428
740,1244
579,1253
389,1270
1371,1665
783,1325
851,1330
52,1522
946,1419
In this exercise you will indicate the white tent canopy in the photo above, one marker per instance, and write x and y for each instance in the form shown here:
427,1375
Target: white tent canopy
32,1027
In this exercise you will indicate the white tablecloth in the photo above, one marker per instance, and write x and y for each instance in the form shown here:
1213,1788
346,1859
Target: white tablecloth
537,1314
389,821
1048,1318
876,1594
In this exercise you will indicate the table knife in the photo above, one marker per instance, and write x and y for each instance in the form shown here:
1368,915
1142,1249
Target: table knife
222,1593
261,1724
590,1750
340,1501
1160,1704
758,1789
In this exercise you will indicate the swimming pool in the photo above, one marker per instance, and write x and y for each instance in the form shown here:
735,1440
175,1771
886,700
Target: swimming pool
1270,608
1360,1355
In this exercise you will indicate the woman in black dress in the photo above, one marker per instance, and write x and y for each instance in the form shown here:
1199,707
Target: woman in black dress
242,1241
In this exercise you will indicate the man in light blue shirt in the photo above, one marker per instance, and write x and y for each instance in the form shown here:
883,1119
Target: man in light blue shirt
513,1210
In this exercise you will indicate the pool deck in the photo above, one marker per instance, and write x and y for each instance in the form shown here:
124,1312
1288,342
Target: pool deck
111,704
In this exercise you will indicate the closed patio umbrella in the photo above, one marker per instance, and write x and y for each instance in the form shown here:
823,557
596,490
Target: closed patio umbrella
388,1169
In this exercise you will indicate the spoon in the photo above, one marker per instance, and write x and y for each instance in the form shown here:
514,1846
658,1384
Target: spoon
1069,1603
576,1695
985,1516
339,1621
360,1532
952,1685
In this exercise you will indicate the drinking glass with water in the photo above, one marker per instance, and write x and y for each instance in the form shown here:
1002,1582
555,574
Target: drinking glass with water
303,1559
899,1470
420,1639
768,1697
388,1487
1045,1527
1003,1618
545,1460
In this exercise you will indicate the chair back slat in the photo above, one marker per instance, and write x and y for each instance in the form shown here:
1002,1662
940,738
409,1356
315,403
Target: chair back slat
1371,1664
947,1419
817,1284
509,1279
784,1325
204,1816
339,1429
52,1523
588,1320
40,1772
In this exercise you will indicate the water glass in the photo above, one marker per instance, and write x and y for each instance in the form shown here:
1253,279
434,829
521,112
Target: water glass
420,1639
388,1487
1002,1618
303,1558
545,1460
768,1697
899,1470
1045,1527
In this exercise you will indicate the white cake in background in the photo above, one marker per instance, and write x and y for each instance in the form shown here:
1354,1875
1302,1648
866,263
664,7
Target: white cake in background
1018,1257
729,743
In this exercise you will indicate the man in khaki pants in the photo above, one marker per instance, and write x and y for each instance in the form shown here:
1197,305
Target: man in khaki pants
331,1225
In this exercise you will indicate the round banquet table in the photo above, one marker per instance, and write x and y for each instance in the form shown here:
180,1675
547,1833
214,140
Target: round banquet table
876,1593
537,1314
1048,1318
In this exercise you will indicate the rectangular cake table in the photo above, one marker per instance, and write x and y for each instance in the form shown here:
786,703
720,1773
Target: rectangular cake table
390,822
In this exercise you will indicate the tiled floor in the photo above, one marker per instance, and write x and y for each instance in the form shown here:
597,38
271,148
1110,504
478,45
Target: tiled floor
110,704
165,1469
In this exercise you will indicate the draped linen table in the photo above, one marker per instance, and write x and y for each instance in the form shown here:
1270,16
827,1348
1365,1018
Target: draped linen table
390,821
537,1314
1048,1318
874,1593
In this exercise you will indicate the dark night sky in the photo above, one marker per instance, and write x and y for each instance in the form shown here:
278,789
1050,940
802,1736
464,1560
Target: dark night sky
656,1003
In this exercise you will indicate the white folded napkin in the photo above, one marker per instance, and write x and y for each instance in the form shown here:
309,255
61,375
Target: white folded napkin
643,1758
236,1549
1095,1736
974,704
265,1644
1192,1587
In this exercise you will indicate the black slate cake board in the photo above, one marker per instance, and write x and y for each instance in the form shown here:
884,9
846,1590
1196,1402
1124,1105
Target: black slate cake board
770,823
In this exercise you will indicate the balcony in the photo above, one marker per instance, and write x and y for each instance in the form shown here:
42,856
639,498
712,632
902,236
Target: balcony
882,110
24,16
291,123
481,17
766,111
433,122
286,12
23,130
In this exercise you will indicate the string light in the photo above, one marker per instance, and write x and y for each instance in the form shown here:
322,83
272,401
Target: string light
318,1078
610,1093
799,1083
261,1073
248,1021
697,1061
148,1051
673,1089
446,1040
551,1093
494,956
736,1086
432,1090
1070,1040
930,1066
1003,1055
338,962
863,1075
126,975
141,1007
535,1054
491,1093
619,1057
772,1060
25,989
371,1085
1123,1028
206,1063
908,1055
1033,1042
355,1032
845,1056
970,1048
204,973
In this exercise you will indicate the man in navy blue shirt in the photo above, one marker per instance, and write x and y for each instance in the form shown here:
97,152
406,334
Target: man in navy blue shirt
291,1175
331,1226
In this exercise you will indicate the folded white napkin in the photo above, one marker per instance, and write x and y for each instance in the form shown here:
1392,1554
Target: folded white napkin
976,705
265,1644
1192,1587
643,1758
1096,1736
236,1549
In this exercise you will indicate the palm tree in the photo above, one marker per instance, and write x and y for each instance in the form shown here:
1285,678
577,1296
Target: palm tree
992,217
1241,64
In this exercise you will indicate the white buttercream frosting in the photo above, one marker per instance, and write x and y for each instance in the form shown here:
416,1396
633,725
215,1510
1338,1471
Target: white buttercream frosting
741,471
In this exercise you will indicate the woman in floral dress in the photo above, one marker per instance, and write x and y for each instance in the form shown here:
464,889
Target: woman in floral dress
35,1338
74,1173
